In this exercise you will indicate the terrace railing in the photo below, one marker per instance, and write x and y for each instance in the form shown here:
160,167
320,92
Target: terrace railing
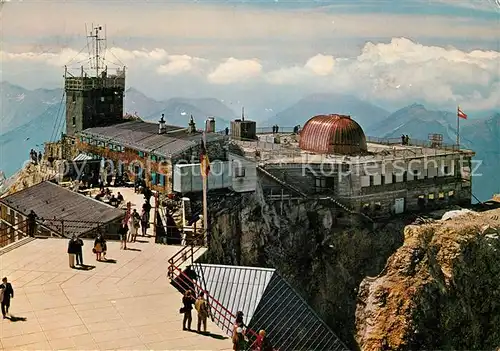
13,232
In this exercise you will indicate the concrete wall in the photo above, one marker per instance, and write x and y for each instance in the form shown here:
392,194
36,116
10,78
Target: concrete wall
244,174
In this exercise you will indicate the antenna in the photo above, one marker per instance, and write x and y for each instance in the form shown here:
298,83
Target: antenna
94,35
243,113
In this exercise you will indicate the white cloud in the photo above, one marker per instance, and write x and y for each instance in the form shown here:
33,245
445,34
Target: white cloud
400,71
179,64
235,71
405,70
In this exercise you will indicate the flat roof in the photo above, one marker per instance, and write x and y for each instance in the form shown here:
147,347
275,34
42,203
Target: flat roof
143,136
291,153
50,201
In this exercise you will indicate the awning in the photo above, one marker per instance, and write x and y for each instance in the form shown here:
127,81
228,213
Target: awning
84,157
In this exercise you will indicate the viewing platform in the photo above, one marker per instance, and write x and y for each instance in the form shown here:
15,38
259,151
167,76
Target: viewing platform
126,302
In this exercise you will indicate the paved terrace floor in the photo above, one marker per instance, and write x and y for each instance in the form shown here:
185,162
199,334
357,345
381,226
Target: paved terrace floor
126,305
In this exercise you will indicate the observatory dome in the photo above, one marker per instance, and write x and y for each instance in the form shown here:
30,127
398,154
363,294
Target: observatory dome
333,134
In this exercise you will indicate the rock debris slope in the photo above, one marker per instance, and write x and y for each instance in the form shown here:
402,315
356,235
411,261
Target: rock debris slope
440,290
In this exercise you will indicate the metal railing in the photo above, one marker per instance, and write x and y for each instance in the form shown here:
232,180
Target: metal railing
8,233
224,318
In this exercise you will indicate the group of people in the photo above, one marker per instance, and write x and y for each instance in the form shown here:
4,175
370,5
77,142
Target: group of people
35,157
240,339
405,139
132,223
276,129
106,195
75,250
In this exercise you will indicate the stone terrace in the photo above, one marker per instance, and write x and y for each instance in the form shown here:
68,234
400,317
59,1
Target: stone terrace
124,305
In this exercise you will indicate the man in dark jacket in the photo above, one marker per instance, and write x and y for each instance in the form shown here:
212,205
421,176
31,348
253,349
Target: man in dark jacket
72,250
6,292
79,253
32,223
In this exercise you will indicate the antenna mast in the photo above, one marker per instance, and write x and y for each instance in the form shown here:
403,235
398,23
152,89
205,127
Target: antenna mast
94,35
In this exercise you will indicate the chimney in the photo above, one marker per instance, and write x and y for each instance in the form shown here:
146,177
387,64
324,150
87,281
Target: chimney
210,125
243,113
192,126
161,125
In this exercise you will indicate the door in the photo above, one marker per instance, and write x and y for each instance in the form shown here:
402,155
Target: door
399,205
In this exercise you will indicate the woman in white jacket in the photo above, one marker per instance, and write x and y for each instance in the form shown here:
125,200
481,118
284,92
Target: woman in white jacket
133,225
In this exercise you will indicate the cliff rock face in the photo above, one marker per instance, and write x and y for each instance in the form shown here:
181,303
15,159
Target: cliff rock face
324,257
440,290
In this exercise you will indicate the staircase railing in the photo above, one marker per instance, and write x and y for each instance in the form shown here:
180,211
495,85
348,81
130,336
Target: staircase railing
224,318
187,252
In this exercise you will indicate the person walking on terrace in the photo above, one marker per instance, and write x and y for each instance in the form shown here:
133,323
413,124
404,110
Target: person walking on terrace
99,247
144,222
79,251
6,293
133,225
72,250
201,307
188,300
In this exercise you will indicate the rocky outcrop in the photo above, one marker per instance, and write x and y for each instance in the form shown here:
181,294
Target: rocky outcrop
440,290
324,255
27,176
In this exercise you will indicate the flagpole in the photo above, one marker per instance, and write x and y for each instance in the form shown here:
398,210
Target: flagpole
205,186
458,128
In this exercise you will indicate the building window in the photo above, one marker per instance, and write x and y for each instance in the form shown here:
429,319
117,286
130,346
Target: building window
239,172
153,158
111,146
74,120
377,206
431,197
365,208
382,179
153,178
320,182
445,171
405,176
451,193
393,178
162,179
141,154
371,180
441,196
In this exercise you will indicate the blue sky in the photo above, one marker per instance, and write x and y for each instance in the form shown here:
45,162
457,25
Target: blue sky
390,52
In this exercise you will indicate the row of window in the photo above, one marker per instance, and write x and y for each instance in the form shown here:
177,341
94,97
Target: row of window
405,177
377,206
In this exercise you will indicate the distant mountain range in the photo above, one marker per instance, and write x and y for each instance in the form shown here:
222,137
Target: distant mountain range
364,113
28,119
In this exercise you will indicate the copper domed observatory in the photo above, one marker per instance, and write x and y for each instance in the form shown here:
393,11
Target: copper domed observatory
333,134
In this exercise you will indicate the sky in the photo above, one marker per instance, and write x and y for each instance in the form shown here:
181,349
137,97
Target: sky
393,53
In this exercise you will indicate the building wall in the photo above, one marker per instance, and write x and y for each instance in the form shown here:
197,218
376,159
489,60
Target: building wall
93,108
154,165
244,174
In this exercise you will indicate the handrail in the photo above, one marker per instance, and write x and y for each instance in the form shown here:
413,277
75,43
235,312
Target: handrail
181,254
20,227
183,276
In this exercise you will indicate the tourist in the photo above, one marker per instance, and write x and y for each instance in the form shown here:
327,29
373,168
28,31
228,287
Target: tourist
6,293
407,140
239,329
122,231
32,223
188,300
113,201
227,131
147,208
79,251
262,343
403,139
144,222
133,225
99,247
119,197
201,307
72,250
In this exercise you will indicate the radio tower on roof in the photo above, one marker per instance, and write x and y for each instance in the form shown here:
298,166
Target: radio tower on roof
93,98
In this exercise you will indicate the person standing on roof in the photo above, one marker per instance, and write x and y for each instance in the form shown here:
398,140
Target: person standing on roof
32,223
